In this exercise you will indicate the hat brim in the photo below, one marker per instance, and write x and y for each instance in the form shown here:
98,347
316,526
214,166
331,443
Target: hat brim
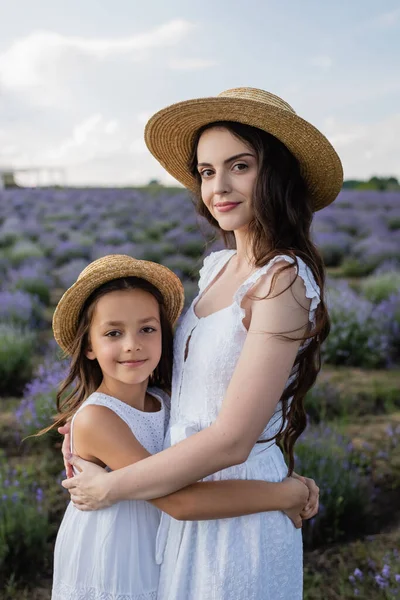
66,315
170,135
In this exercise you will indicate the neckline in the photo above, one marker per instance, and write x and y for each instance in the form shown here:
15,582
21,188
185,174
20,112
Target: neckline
142,412
229,256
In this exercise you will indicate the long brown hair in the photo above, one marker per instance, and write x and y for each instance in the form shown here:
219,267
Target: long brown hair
282,217
85,375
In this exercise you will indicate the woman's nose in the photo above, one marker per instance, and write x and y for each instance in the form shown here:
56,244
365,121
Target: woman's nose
221,183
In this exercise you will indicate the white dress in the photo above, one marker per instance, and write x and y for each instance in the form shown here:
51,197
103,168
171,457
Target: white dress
256,557
109,554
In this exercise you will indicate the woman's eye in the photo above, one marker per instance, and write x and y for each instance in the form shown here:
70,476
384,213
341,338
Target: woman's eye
113,334
206,173
148,329
240,166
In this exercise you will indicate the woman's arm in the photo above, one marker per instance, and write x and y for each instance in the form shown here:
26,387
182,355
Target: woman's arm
102,437
266,361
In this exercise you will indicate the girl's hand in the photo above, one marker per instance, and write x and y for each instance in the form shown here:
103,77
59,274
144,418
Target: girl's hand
65,430
312,506
89,489
297,497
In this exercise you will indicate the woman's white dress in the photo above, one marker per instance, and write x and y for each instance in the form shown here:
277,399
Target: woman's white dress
109,554
256,557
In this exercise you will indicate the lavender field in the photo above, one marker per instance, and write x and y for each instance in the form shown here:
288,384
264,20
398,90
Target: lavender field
352,444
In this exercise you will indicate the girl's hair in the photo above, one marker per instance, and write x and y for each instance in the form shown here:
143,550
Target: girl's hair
282,217
85,375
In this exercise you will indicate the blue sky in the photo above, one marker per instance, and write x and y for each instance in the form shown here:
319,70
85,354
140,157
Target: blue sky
78,80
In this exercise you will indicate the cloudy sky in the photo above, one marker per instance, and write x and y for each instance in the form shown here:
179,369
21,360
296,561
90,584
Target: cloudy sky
79,78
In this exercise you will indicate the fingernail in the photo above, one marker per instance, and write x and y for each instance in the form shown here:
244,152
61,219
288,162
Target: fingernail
68,456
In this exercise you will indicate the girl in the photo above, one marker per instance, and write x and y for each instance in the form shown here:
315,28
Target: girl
116,323
248,349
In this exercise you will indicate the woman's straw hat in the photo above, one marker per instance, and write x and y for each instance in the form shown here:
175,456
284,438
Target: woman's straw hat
171,132
114,266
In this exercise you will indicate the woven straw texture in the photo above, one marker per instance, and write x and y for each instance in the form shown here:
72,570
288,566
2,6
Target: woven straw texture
114,266
171,132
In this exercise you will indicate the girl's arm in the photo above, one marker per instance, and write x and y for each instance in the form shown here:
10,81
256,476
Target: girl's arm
266,361
102,437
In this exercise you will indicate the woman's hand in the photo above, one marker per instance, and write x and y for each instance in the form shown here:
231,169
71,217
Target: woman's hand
89,489
312,506
297,495
65,430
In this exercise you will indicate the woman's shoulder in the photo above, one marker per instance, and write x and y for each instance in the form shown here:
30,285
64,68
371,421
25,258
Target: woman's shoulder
210,264
161,395
300,275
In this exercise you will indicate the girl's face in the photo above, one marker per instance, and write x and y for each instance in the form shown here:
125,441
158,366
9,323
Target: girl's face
125,336
228,169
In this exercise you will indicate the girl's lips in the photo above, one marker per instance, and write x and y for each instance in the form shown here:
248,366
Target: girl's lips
132,363
226,207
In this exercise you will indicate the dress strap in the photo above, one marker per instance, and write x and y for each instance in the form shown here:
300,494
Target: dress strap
120,408
313,291
213,263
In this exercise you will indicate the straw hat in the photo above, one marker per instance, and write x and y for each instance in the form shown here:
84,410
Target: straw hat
170,135
114,266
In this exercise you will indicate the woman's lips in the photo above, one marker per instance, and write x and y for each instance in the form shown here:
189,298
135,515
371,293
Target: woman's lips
226,207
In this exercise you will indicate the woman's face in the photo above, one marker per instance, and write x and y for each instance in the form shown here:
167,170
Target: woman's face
228,169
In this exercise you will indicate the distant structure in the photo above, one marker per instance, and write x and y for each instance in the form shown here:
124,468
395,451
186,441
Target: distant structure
38,176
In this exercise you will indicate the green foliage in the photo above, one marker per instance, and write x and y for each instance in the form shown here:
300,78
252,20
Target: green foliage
375,183
394,223
24,524
16,358
330,459
36,287
352,267
22,250
380,287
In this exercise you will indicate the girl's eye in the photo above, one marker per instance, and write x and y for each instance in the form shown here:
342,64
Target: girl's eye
113,334
148,329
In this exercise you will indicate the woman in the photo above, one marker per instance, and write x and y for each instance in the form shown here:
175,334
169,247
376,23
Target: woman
248,348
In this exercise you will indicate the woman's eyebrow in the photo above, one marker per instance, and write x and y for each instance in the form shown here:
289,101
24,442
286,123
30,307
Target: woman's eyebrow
228,160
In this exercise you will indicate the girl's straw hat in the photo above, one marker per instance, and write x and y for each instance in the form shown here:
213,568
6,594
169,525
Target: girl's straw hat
171,132
114,266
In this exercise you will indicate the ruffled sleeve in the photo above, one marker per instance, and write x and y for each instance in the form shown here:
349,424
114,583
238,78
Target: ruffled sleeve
210,265
313,291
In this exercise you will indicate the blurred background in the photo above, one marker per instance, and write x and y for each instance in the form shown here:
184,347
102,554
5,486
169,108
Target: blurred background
78,82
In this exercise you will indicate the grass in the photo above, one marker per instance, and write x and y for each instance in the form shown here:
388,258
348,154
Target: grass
327,572
362,391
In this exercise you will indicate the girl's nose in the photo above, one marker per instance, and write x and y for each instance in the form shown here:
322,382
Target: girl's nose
132,343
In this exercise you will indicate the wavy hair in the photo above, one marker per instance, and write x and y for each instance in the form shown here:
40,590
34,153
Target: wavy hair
85,375
281,224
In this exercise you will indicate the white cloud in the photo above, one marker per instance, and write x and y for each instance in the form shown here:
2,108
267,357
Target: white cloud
93,137
138,146
322,61
144,116
191,64
389,19
366,148
43,62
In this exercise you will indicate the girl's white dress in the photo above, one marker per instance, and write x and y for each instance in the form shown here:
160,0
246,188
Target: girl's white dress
256,557
109,554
